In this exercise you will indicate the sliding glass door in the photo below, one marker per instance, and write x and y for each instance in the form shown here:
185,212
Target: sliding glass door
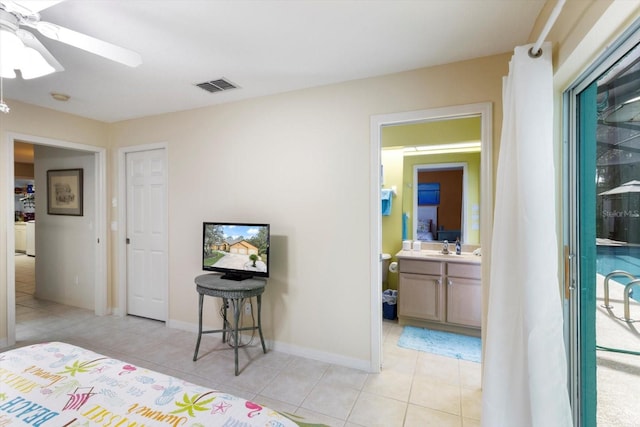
603,219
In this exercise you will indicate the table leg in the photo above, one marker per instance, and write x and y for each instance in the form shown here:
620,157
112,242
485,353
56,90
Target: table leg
236,318
259,298
224,320
195,354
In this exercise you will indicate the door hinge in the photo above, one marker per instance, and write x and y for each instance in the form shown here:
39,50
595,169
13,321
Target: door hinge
128,241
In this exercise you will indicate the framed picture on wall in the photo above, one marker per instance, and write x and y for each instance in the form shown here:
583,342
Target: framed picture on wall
64,192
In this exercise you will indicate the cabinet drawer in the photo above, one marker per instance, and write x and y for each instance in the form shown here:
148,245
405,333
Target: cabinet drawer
420,267
471,271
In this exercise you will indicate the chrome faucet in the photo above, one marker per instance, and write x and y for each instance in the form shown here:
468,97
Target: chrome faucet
445,247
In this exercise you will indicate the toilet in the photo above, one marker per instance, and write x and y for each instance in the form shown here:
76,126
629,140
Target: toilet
384,265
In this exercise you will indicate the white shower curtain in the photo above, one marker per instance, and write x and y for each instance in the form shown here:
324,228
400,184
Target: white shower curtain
525,370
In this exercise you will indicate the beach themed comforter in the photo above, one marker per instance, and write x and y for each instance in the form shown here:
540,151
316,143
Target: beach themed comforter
58,384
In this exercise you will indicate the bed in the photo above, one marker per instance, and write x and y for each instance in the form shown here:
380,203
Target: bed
62,385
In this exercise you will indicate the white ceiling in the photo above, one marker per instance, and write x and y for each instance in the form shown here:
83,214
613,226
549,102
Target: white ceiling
263,46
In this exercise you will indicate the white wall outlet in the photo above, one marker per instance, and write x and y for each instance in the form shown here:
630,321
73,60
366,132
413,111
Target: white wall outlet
247,308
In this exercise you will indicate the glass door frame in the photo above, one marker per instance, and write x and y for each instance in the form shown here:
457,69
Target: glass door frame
582,366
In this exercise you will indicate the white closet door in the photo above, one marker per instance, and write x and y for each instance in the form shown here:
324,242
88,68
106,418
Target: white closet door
147,280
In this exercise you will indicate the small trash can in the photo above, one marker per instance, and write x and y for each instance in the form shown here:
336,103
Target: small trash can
390,304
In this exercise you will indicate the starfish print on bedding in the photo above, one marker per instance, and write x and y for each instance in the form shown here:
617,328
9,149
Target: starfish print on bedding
221,408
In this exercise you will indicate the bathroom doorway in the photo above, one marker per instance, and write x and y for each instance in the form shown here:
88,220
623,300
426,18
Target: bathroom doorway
380,175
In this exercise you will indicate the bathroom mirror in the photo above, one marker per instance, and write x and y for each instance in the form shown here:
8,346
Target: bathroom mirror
437,164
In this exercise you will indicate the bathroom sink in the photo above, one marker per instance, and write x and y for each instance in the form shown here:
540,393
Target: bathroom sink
451,256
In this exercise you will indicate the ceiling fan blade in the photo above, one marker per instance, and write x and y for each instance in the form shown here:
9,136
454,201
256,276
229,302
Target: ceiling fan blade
28,7
31,41
88,43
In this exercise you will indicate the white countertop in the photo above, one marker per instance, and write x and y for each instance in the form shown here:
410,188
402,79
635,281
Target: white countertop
433,255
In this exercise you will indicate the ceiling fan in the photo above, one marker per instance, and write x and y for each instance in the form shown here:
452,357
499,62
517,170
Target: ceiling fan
21,50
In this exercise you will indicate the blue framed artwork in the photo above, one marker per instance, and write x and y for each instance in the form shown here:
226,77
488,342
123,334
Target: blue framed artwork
429,193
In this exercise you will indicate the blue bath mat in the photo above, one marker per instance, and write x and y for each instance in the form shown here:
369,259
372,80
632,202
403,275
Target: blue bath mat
442,343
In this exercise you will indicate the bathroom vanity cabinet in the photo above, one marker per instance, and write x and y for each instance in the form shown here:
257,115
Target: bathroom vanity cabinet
440,292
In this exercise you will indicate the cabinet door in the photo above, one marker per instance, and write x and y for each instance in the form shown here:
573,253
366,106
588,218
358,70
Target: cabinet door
421,296
21,237
464,301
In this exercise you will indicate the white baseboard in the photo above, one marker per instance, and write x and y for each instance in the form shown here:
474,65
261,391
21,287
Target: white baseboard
183,326
117,312
292,349
322,356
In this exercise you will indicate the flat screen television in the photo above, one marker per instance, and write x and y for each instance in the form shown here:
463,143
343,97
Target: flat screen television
237,250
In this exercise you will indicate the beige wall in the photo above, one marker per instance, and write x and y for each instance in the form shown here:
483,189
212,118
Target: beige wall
583,31
43,122
40,122
308,152
308,156
65,269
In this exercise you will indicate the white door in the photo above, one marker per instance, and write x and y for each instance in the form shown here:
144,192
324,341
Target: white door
146,234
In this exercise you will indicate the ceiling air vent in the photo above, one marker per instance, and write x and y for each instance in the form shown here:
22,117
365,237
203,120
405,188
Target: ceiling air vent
217,85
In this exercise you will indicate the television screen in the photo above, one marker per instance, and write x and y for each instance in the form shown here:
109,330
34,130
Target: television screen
238,250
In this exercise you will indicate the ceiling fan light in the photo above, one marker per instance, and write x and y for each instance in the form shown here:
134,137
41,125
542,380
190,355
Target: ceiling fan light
34,65
11,47
10,43
7,73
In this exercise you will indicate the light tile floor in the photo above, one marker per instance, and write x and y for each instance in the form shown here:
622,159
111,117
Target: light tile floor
414,388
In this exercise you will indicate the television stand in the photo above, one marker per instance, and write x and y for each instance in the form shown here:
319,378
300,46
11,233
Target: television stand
233,293
238,277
